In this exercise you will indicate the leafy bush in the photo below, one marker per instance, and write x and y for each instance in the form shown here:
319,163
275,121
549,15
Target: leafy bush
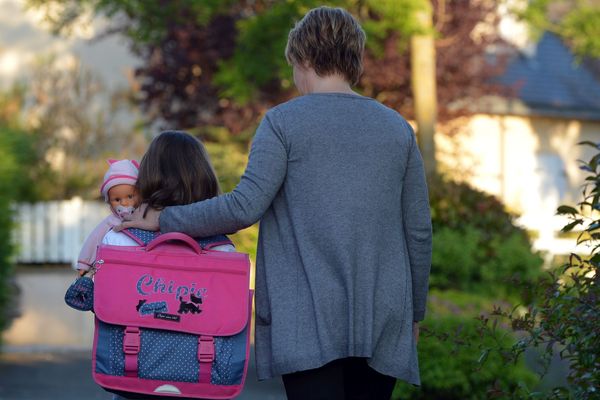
455,258
6,246
449,353
13,183
564,317
478,253
476,245
229,156
457,205
229,159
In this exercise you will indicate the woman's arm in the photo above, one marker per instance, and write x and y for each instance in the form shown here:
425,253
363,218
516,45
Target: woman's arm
264,175
417,227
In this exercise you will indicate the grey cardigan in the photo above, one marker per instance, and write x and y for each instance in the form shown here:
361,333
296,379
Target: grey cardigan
344,248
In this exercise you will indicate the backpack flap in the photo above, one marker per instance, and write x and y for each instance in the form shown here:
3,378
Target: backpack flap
173,286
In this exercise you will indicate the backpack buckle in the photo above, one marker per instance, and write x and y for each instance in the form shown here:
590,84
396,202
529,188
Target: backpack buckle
206,349
131,340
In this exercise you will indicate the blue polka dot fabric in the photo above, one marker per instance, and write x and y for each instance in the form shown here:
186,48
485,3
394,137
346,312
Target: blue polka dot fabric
230,359
144,237
110,359
168,356
171,356
80,295
207,243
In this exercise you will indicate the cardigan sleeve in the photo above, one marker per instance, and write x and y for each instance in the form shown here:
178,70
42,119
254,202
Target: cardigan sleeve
417,227
245,205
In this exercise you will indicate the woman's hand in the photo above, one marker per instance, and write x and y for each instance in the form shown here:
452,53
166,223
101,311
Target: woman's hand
416,331
137,219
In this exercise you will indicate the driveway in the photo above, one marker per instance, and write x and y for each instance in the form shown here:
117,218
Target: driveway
66,375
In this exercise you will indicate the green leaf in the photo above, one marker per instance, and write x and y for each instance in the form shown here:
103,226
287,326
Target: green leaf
589,143
566,210
569,227
484,355
583,237
594,161
577,257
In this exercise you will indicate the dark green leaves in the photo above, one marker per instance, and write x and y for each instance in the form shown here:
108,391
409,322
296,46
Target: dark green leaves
566,210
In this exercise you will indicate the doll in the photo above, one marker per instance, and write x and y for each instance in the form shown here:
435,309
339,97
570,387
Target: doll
120,193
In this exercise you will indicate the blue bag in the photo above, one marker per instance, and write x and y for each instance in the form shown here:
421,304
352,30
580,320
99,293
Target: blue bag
80,295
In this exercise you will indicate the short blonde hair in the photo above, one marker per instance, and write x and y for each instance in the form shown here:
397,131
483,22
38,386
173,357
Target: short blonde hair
330,40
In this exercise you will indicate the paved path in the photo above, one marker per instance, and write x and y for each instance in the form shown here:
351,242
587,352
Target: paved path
66,375
35,363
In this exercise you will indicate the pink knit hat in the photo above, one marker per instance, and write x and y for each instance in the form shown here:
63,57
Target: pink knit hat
120,172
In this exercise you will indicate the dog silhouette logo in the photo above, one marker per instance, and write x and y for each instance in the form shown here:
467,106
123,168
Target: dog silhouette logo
190,307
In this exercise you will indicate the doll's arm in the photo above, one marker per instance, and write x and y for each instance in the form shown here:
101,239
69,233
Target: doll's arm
87,255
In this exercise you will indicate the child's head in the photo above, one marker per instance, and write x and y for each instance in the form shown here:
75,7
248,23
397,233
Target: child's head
176,170
119,189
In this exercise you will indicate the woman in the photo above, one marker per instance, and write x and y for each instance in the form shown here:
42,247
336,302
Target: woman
344,250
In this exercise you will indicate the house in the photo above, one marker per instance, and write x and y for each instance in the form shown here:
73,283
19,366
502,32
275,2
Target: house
524,149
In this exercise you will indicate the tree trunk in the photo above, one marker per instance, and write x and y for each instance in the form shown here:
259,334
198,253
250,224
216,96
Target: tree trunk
423,80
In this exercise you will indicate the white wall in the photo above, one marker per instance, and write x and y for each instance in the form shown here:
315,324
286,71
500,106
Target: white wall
529,163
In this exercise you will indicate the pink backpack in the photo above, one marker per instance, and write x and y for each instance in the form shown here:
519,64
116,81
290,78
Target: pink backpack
172,319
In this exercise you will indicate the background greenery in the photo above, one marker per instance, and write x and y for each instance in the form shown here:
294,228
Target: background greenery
214,66
478,255
17,168
450,349
562,319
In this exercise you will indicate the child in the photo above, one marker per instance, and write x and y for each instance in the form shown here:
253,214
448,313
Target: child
175,171
119,191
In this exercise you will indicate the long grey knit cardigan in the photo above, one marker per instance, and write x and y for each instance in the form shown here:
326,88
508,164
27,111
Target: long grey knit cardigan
344,248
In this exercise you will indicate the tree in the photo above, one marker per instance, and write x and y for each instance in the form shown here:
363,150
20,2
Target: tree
424,88
221,63
577,22
78,130
63,126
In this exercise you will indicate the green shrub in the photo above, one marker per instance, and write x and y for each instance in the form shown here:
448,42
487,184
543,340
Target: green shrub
457,204
6,246
476,245
8,189
450,347
229,156
455,258
17,155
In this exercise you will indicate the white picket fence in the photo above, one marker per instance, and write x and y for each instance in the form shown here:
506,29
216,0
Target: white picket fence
53,232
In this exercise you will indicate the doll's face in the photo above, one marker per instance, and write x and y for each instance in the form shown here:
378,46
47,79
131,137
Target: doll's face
123,197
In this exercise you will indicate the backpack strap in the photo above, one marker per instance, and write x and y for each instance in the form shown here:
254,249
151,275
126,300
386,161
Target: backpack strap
206,356
141,236
213,241
131,348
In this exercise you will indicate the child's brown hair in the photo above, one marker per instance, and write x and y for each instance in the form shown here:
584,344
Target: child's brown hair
176,170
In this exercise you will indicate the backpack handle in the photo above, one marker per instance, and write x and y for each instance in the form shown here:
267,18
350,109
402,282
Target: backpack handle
177,236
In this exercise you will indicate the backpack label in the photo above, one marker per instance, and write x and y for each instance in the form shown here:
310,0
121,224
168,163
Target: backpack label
147,285
167,317
145,308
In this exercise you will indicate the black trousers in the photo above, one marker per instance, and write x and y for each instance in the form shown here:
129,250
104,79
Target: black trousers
343,379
